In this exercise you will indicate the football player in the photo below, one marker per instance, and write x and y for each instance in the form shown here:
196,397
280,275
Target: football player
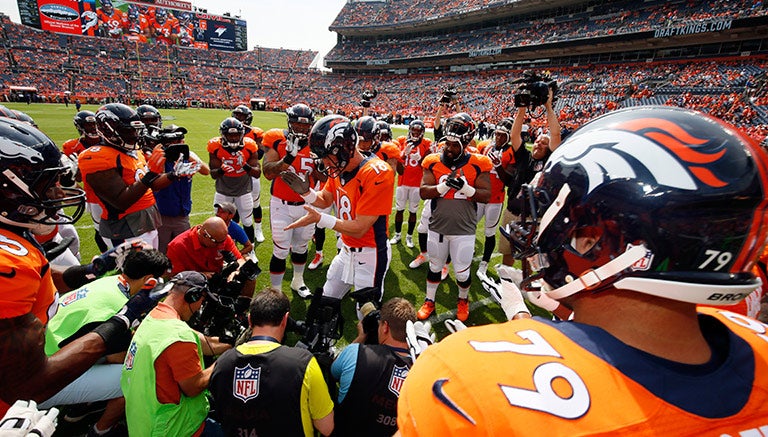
637,217
414,148
356,184
111,20
244,114
163,27
122,179
234,162
457,181
286,150
370,133
31,203
500,152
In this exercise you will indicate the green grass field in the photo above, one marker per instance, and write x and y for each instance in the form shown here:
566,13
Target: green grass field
202,124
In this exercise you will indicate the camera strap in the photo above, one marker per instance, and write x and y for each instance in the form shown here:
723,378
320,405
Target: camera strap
264,337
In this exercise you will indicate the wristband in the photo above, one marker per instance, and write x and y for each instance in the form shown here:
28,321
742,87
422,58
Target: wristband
149,178
288,159
114,332
467,190
247,168
326,221
442,188
310,196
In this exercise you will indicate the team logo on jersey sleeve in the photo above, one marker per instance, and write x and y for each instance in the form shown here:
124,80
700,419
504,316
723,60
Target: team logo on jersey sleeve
396,380
245,385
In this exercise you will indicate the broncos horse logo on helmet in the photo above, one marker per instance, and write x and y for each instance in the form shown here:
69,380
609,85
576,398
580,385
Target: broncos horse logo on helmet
333,142
30,172
637,181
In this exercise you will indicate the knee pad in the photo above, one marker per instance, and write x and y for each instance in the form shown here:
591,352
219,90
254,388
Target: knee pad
299,258
277,265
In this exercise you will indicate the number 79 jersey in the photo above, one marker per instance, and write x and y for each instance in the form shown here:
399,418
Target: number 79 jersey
529,377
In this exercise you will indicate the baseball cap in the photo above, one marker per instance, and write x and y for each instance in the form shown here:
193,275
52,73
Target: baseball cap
194,279
226,206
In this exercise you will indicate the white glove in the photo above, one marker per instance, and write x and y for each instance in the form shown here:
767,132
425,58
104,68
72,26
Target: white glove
507,294
292,146
226,168
126,247
495,156
541,300
182,169
512,301
454,326
24,419
418,337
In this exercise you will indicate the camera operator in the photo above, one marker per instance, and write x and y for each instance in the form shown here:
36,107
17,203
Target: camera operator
175,201
264,388
202,249
527,164
370,375
163,379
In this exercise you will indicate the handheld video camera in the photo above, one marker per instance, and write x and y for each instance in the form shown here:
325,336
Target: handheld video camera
367,96
449,95
534,90
172,139
227,318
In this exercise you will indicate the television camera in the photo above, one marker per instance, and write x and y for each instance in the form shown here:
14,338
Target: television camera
227,317
367,96
172,139
449,95
534,90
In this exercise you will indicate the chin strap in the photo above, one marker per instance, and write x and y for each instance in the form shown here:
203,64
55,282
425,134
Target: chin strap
592,278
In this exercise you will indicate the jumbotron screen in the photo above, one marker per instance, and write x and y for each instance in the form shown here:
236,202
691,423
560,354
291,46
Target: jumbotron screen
169,22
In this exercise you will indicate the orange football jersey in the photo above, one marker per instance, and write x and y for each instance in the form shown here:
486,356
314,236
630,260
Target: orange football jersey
529,377
303,164
498,193
131,167
256,134
25,279
388,151
236,159
412,172
369,192
474,165
72,146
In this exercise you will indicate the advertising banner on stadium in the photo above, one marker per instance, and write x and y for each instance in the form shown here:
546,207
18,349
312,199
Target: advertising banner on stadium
65,16
170,22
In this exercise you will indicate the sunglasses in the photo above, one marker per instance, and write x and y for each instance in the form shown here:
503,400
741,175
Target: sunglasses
207,235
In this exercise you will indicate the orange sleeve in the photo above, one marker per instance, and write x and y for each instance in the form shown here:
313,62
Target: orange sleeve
272,138
178,362
214,144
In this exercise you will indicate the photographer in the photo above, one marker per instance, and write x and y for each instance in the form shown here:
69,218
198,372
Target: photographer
527,163
264,388
163,378
370,375
175,201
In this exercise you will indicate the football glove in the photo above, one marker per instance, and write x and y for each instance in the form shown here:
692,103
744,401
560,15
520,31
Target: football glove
419,337
24,419
297,182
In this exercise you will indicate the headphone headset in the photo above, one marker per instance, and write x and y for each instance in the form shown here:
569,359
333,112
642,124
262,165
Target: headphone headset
194,293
